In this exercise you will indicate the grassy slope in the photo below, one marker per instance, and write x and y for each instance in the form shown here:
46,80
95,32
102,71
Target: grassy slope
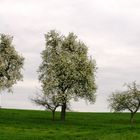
37,125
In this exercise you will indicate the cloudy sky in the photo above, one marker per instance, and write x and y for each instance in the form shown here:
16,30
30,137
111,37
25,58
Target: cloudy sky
110,29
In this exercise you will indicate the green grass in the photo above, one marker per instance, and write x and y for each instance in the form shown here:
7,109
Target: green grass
37,125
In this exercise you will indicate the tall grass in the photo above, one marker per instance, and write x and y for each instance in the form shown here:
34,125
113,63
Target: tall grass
38,125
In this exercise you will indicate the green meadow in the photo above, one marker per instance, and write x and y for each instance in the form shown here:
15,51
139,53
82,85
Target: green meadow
37,125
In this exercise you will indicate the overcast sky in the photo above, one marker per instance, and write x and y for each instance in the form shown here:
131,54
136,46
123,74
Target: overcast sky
110,29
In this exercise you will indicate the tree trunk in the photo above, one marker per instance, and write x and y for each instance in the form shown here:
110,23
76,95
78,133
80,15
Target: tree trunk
132,118
53,115
63,112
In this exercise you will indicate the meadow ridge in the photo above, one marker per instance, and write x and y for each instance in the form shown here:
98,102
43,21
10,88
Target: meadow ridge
37,125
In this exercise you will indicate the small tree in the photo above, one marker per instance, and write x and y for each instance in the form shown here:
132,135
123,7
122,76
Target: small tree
49,101
11,63
67,70
126,100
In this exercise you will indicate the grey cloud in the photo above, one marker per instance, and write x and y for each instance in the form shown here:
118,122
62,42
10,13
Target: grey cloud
109,28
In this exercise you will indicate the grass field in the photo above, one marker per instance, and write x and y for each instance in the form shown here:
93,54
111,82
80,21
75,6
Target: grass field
37,125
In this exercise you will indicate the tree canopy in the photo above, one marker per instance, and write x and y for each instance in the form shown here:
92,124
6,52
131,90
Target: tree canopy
11,63
67,70
126,100
49,101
